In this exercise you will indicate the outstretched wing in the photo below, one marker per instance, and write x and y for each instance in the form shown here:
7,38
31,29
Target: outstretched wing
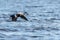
22,16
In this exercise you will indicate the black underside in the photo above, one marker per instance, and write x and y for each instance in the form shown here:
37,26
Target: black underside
13,18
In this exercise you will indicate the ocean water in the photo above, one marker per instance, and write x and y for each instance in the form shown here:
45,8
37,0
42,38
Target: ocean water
43,16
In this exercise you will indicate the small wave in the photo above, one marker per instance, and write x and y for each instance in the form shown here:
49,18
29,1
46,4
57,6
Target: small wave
35,36
33,6
46,28
2,35
7,30
54,19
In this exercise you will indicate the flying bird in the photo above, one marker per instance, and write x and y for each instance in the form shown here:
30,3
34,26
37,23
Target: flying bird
15,16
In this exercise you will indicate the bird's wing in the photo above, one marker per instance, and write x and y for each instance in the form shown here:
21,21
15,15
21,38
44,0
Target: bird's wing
22,16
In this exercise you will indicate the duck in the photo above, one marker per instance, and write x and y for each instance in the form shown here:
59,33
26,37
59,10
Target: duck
14,17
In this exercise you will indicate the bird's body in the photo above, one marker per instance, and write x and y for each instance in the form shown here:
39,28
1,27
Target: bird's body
20,14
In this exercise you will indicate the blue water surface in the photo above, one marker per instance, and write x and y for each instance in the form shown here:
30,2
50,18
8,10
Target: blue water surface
43,16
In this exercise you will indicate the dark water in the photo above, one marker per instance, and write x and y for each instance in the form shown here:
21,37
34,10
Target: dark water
43,16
